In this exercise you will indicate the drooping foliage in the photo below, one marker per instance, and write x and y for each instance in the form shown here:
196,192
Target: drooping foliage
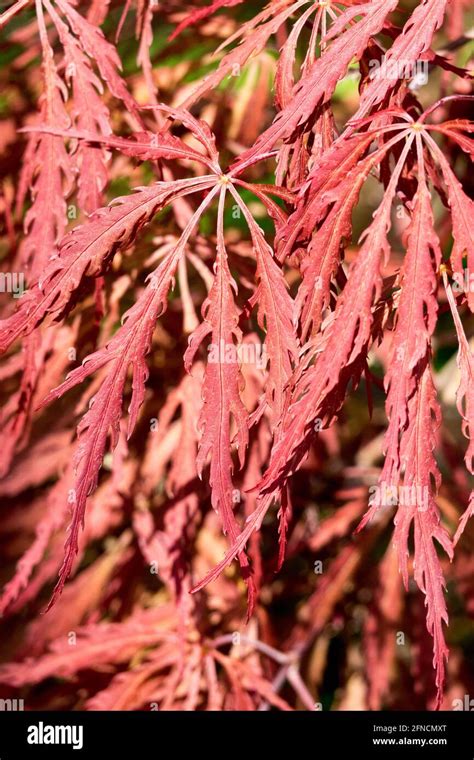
236,290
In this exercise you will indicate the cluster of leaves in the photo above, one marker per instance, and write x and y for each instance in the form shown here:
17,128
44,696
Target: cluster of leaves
166,449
